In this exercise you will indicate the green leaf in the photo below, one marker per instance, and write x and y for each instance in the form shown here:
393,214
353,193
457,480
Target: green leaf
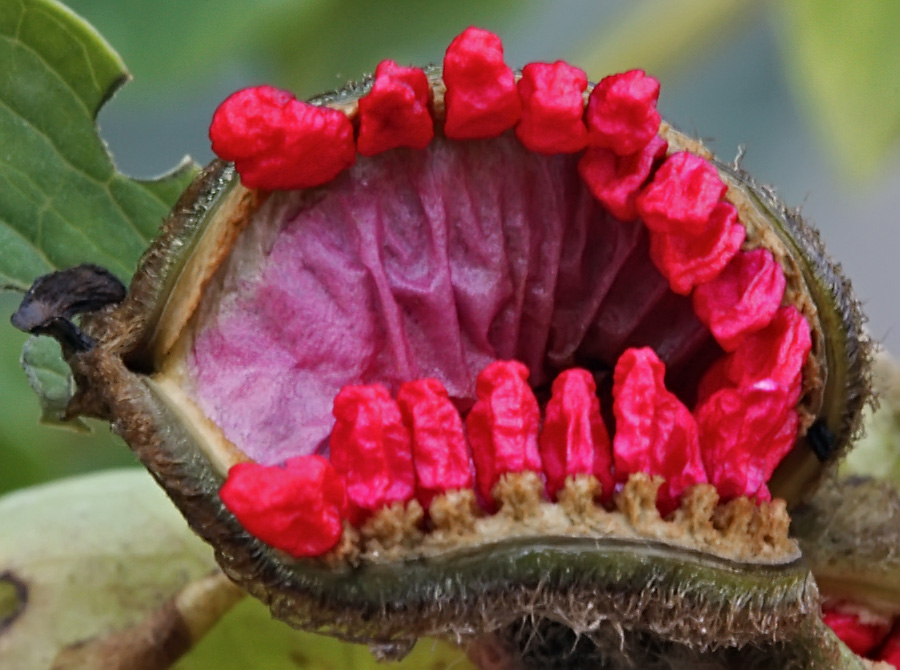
877,453
50,377
322,47
844,58
247,637
63,200
95,553
196,36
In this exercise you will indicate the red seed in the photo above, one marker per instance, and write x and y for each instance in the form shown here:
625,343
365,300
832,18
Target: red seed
773,356
615,181
249,122
371,448
776,353
573,439
481,99
279,142
688,260
742,299
296,508
395,112
552,107
890,651
440,453
621,113
714,379
503,425
655,433
744,434
861,637
682,195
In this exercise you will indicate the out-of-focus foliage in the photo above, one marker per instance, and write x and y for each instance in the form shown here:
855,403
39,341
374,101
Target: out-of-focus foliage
99,553
309,46
844,59
247,637
96,553
877,453
658,35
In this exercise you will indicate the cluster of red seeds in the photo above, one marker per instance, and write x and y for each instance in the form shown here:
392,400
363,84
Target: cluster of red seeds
875,638
279,142
386,451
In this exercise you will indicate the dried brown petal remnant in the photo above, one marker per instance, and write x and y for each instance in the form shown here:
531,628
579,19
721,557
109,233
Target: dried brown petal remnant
359,309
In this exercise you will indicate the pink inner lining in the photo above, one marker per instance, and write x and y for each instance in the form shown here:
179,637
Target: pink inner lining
431,263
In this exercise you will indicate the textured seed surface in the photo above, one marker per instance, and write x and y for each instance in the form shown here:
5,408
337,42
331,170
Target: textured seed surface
552,107
481,99
621,113
395,112
277,141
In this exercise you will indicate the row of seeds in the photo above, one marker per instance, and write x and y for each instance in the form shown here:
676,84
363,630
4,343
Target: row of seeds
385,451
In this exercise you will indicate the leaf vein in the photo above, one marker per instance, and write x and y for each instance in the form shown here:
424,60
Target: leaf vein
49,204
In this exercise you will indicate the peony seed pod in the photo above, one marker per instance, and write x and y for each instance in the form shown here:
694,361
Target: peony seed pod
300,271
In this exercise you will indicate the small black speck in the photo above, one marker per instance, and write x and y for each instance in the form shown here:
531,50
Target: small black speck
821,440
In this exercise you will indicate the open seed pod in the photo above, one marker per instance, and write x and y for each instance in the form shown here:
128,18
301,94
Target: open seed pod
465,352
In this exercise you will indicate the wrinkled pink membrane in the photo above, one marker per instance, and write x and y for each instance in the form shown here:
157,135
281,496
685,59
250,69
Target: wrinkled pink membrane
429,263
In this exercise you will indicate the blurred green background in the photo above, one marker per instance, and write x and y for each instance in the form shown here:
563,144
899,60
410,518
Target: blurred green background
810,88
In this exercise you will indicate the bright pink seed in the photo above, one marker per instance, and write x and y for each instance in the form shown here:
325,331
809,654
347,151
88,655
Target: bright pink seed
296,508
615,180
772,357
440,453
621,112
890,650
279,142
742,299
481,99
370,447
689,260
655,433
503,425
395,112
573,439
552,107
681,196
776,353
863,638
745,432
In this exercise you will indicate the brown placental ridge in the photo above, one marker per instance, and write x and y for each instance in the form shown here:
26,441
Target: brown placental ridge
391,460
462,347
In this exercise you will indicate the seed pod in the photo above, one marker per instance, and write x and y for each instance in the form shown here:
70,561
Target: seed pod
256,306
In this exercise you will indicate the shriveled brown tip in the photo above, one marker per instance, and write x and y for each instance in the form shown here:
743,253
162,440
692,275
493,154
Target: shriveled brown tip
52,301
